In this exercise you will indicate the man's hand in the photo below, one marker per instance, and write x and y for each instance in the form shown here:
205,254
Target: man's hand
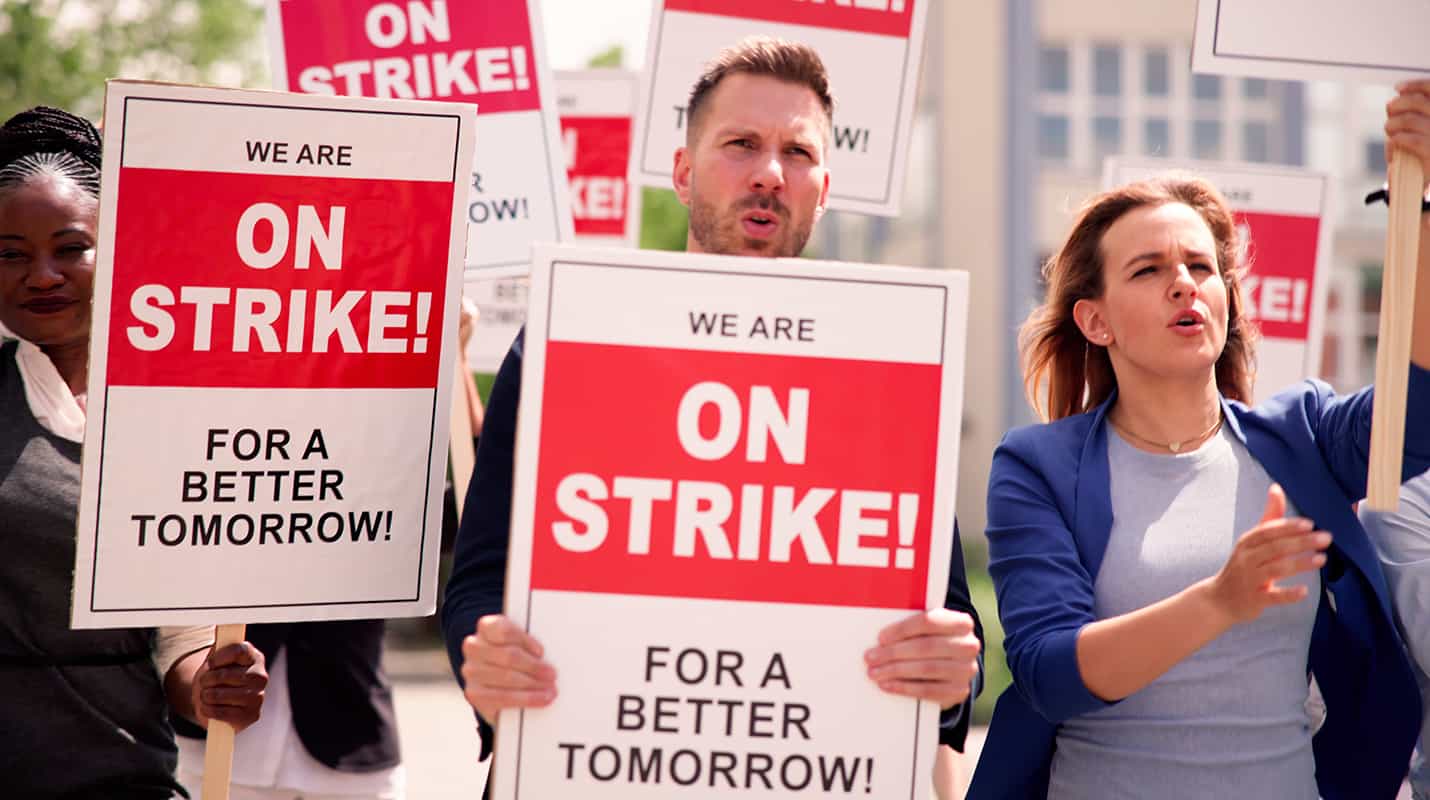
228,686
932,655
502,668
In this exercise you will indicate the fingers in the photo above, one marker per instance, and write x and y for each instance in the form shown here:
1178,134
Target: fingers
497,629
1407,121
230,685
938,622
931,656
238,654
1279,543
1275,503
502,667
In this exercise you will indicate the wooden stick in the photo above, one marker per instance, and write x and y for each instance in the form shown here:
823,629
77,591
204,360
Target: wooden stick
463,455
218,754
1397,310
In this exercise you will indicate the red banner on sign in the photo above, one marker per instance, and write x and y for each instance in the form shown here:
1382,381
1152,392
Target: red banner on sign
423,49
884,17
779,479
598,152
304,266
1281,250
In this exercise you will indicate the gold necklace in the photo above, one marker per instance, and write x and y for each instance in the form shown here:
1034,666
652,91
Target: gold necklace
1172,446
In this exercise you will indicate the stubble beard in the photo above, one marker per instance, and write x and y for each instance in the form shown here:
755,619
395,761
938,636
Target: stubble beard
724,237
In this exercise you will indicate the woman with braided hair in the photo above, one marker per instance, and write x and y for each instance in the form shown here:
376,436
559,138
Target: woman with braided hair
82,713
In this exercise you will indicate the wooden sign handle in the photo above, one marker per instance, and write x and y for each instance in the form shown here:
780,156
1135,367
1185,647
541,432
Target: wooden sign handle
1397,310
463,456
218,754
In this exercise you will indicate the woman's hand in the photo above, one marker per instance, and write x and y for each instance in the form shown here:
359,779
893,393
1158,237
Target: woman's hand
1275,549
1407,123
228,686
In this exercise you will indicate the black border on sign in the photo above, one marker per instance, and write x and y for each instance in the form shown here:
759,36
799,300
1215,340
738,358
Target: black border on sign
1216,38
456,147
898,115
104,422
546,336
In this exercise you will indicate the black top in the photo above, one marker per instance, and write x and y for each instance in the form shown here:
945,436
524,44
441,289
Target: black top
82,712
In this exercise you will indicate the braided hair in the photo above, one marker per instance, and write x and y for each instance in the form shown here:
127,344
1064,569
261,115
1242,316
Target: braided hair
45,140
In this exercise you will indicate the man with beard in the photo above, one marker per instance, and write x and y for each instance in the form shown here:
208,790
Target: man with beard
753,173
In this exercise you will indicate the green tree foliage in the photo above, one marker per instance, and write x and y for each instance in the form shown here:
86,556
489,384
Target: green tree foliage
60,52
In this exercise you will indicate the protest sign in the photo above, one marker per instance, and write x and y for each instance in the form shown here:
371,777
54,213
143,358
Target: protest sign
271,358
491,53
502,306
596,108
1279,213
871,49
1379,41
731,474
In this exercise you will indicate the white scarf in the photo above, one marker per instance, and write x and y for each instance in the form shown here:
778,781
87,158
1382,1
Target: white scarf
50,398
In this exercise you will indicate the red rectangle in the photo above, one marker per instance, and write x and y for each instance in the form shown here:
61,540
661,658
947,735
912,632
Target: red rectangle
598,151
883,17
1281,250
612,412
178,234
476,52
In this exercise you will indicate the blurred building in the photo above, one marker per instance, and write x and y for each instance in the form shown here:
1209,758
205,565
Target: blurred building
1021,101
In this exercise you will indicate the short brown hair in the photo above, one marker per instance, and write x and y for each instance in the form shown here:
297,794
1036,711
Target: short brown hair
1071,375
763,55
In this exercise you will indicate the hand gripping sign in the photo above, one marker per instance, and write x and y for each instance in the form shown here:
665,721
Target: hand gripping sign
1380,41
491,53
871,49
596,107
731,473
1279,215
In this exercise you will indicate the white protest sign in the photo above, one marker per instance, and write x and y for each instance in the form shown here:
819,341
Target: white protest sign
1377,41
731,474
1280,219
272,356
491,53
596,108
501,303
871,49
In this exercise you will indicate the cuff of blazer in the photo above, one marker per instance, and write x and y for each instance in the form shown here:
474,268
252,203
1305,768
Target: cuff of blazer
1061,693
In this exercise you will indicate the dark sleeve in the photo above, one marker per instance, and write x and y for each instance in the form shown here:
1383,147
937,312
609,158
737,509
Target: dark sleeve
1045,595
1342,423
478,577
953,723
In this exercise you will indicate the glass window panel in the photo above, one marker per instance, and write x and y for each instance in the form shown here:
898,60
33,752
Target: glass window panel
1107,70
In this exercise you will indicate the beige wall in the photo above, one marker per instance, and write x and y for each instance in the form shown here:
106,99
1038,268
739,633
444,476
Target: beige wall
972,200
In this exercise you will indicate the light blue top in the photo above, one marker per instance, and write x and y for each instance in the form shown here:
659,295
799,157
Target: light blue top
1230,720
1403,541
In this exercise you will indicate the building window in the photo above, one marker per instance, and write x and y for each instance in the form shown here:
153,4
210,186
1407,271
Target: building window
1375,157
1053,69
1255,142
1253,88
1156,72
1206,139
1156,138
1206,87
1053,137
1106,71
1106,137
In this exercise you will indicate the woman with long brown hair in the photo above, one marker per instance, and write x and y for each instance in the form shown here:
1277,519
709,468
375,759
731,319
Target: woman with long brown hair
1174,567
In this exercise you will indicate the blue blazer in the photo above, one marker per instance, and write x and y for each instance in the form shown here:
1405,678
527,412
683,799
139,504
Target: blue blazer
1049,517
